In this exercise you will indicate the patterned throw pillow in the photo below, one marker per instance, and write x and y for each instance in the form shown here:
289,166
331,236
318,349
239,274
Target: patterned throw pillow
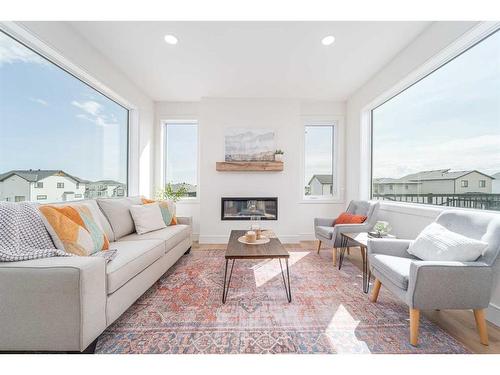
167,210
74,228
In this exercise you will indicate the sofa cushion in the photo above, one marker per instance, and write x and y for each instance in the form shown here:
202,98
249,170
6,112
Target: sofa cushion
172,235
117,211
396,269
132,257
326,232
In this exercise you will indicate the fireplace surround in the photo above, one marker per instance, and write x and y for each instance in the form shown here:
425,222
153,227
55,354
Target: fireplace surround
247,208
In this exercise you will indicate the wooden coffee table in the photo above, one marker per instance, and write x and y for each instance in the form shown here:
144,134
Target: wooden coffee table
271,250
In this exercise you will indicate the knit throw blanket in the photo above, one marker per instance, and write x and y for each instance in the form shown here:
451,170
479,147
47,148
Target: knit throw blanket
23,235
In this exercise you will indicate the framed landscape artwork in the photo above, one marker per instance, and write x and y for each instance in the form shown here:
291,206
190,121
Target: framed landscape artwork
243,144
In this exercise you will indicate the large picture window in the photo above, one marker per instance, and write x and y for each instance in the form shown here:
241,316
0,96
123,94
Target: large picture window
320,181
60,139
438,142
181,157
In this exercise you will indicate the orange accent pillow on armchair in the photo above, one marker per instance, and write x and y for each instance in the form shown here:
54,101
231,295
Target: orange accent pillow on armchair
346,218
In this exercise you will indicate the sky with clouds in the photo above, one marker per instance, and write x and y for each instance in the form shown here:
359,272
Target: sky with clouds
450,119
51,120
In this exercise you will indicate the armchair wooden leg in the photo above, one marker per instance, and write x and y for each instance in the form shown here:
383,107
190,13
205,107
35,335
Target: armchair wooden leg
319,246
481,326
376,290
348,251
414,323
334,252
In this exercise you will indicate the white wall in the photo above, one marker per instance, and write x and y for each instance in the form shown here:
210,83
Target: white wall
285,117
62,38
407,220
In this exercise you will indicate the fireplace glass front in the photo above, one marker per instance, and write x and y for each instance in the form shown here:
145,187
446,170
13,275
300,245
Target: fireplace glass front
249,208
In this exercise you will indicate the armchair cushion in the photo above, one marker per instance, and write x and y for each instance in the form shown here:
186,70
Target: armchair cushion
436,242
394,268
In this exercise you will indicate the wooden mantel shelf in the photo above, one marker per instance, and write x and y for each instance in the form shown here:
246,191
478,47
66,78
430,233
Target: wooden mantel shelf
249,166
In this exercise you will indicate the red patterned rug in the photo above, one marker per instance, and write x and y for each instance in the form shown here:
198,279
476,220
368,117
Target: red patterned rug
329,313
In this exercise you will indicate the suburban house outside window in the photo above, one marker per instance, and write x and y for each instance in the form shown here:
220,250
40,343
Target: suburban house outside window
181,156
320,180
437,141
82,151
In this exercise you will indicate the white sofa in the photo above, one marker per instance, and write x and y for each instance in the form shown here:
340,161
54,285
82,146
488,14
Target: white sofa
65,303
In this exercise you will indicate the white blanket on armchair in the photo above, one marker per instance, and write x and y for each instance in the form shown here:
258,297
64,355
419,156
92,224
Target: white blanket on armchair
23,235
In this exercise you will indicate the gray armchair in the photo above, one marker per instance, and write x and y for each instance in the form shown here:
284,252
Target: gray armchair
435,284
328,233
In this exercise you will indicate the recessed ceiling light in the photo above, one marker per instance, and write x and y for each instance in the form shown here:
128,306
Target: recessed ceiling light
171,39
328,40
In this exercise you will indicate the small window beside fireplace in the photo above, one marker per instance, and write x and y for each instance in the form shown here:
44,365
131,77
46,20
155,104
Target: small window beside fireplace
247,208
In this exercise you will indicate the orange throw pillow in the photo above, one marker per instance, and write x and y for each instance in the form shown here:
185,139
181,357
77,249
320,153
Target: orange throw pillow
346,218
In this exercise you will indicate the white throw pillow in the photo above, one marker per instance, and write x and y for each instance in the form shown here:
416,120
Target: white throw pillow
147,217
436,242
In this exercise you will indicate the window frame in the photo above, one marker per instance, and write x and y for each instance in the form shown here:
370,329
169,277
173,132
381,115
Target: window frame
163,157
462,44
29,40
336,122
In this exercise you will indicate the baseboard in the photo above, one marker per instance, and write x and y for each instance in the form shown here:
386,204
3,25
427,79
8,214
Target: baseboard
493,314
223,239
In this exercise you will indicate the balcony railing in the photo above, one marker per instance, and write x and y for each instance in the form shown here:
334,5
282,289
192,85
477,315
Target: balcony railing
480,201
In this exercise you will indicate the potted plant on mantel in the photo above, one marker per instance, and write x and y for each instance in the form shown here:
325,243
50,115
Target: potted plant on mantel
278,155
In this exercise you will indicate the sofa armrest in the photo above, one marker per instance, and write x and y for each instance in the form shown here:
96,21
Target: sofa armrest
185,220
449,285
385,246
56,304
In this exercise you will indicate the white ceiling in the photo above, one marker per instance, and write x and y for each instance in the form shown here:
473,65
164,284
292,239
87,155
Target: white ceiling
249,59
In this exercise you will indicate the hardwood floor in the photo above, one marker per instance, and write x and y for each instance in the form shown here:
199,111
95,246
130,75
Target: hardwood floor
458,323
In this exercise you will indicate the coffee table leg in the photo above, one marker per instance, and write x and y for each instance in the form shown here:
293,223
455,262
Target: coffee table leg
288,290
225,288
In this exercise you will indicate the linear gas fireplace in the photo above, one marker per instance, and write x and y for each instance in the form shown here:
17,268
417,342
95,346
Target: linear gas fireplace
249,208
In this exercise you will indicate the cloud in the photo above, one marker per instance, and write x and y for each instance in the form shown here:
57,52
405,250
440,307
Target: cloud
465,153
89,106
12,52
93,112
40,101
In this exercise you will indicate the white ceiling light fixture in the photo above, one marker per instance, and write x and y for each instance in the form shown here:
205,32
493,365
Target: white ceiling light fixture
328,40
171,39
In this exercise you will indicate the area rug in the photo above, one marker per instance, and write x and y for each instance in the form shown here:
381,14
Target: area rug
329,313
